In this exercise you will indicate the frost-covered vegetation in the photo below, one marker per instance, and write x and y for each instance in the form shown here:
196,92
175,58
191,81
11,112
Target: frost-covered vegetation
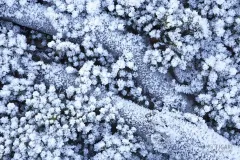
120,79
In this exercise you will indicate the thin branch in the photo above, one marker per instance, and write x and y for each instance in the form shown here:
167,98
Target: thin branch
182,136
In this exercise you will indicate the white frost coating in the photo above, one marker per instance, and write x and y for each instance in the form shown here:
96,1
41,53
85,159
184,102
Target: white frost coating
209,45
70,70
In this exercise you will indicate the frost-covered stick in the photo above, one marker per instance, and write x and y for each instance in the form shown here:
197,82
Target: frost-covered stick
32,17
181,135
155,83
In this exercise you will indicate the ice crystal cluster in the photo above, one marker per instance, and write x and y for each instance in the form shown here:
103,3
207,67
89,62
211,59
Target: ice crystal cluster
120,79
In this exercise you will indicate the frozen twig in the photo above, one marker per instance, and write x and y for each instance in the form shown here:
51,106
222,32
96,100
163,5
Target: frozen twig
32,17
181,135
